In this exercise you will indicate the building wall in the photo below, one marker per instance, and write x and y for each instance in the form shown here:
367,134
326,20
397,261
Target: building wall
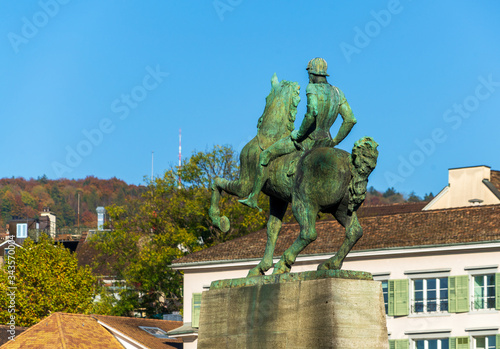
465,184
408,263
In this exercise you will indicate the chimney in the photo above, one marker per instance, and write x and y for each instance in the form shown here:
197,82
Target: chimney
101,211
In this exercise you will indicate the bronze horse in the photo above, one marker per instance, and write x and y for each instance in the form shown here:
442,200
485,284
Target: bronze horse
328,180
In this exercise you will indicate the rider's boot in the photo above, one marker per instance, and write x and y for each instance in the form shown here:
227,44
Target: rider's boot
260,179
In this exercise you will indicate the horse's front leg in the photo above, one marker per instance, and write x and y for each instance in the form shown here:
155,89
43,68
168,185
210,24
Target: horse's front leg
277,212
305,214
353,234
238,187
222,223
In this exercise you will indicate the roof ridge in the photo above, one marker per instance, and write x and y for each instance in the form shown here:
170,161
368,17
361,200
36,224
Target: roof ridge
133,317
473,207
60,330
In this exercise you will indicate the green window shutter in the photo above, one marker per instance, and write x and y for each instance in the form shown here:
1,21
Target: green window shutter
462,342
458,294
497,295
399,344
498,341
453,340
390,298
403,344
195,310
398,297
459,342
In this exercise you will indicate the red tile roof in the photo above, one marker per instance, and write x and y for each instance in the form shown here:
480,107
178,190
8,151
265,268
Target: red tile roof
495,178
385,230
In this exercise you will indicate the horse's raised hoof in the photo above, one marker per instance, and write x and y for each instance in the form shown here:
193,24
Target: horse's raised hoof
281,268
224,224
250,203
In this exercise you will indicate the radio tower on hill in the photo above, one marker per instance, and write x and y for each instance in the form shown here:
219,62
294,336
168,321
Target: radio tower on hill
180,148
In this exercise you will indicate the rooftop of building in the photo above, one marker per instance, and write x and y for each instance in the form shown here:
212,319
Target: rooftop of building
63,330
391,226
130,327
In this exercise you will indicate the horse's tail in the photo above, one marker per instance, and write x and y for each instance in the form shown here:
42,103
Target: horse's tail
363,161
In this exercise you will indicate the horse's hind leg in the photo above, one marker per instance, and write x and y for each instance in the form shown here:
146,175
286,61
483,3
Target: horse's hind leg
305,214
353,234
278,209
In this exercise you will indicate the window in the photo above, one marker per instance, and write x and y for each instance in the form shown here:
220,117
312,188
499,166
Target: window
155,331
486,342
385,293
484,291
443,343
430,295
22,230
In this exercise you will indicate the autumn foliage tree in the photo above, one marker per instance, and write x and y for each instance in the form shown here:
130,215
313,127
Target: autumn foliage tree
47,279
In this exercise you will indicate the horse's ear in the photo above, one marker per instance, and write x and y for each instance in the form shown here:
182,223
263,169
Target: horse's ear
274,81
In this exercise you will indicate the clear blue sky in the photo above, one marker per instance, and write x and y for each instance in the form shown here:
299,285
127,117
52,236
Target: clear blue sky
422,77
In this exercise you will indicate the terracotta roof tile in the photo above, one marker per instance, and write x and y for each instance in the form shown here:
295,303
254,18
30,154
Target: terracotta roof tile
382,210
417,228
495,178
130,327
62,330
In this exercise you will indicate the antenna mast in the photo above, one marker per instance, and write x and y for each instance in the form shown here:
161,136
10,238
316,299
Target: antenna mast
180,148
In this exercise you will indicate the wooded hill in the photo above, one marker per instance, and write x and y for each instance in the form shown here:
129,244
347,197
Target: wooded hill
21,198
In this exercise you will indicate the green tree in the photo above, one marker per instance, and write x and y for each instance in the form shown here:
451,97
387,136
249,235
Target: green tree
428,197
48,279
389,192
414,197
169,221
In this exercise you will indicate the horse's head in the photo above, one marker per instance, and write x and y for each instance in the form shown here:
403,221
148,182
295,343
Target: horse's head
277,120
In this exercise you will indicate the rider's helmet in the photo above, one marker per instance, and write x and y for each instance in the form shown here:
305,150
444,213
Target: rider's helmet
317,66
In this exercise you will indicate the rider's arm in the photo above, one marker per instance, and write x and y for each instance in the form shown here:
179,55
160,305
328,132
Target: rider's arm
307,125
347,124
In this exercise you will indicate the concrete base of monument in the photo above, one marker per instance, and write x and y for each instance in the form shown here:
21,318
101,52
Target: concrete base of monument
317,309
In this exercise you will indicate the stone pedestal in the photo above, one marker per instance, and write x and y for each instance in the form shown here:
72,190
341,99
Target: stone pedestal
319,309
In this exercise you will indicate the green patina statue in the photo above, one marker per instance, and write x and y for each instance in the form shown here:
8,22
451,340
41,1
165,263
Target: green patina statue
302,167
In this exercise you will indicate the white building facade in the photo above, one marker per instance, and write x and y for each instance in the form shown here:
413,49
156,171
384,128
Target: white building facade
438,269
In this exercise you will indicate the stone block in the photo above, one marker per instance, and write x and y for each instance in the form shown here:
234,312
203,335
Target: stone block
334,310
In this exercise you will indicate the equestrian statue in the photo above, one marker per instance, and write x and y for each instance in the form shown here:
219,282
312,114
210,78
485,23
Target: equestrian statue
302,167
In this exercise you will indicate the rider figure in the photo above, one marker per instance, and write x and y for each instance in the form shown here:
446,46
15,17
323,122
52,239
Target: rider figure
324,103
